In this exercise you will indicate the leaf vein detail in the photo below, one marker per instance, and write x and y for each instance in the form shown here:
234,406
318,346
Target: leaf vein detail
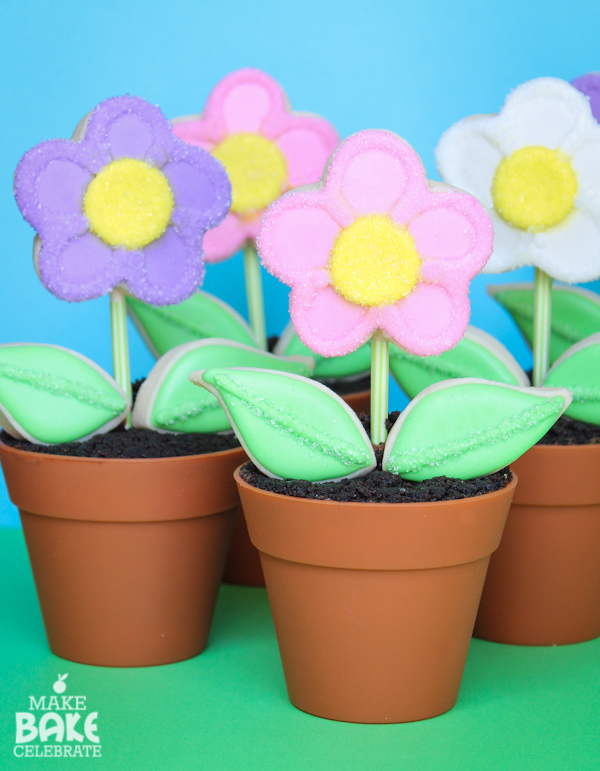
302,430
56,385
415,458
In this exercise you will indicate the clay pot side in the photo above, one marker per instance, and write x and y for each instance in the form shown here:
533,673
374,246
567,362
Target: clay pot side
543,583
127,555
359,401
243,566
374,604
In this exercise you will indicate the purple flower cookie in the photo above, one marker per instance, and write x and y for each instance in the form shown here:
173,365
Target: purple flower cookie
124,202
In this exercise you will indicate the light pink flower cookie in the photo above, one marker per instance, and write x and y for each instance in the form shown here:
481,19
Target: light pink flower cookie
265,147
375,245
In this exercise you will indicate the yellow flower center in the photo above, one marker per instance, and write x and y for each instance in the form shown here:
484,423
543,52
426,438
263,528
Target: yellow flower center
256,168
374,262
534,188
129,203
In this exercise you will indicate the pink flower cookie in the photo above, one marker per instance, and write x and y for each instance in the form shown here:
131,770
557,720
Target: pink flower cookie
375,245
266,149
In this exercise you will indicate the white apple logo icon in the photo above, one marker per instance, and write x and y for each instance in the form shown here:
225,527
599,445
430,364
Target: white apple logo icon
60,686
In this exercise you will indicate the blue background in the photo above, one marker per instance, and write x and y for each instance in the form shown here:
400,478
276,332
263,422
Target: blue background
412,67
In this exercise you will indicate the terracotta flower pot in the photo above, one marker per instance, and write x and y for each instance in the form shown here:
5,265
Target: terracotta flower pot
359,401
242,566
243,560
127,555
374,604
543,584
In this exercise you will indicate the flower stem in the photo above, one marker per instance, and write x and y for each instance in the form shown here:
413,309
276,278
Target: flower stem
120,346
380,375
542,325
254,295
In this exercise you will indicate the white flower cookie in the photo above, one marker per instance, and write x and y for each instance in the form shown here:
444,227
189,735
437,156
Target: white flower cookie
536,167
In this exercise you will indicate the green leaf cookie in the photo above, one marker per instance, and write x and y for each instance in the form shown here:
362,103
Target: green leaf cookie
291,427
168,402
50,395
477,355
578,369
353,365
468,428
197,318
575,313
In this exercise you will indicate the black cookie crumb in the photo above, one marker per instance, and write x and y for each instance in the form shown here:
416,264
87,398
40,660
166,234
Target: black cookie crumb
345,387
134,443
379,487
567,431
135,387
366,420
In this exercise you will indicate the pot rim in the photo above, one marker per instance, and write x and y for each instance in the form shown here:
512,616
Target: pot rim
27,453
550,448
380,506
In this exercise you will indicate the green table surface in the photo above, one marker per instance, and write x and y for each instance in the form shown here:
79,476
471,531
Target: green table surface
518,708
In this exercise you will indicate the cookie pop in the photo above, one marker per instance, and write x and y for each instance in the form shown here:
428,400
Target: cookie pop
266,149
535,166
121,207
376,251
589,85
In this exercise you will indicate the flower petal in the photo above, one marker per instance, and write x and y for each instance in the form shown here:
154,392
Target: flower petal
590,86
79,269
327,323
373,170
172,270
131,127
226,239
296,237
201,189
510,246
307,145
454,237
195,131
50,182
243,100
130,136
468,159
61,187
191,185
586,162
429,320
442,233
545,112
570,251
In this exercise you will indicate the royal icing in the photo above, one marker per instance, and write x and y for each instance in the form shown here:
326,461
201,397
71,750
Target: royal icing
590,86
50,395
477,355
200,316
169,403
125,202
468,428
374,245
350,367
536,167
265,147
578,369
294,428
575,313
291,427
